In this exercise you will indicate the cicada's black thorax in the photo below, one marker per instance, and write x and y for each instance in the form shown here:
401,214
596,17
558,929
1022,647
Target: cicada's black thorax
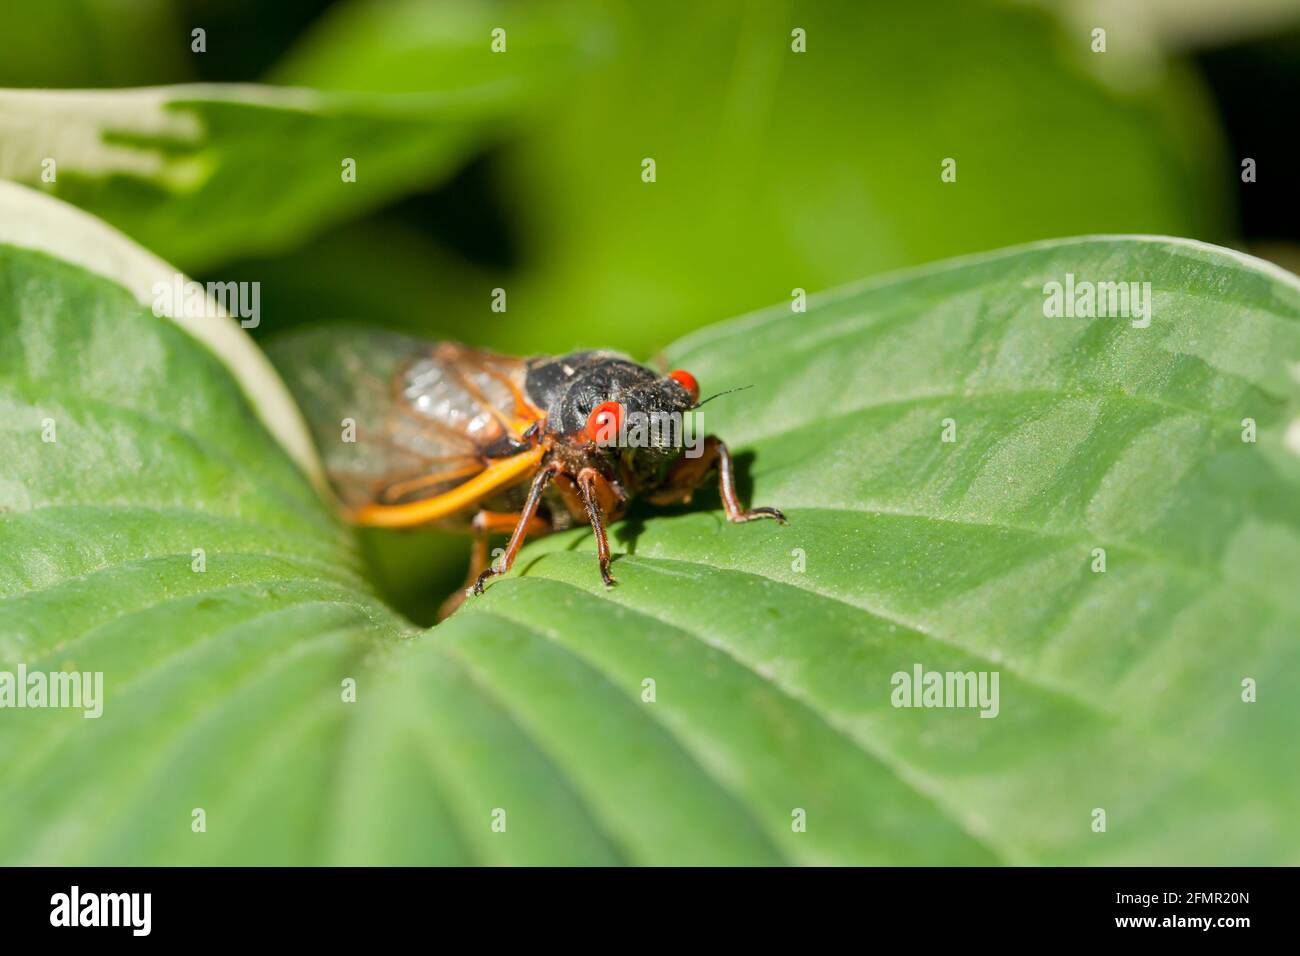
569,386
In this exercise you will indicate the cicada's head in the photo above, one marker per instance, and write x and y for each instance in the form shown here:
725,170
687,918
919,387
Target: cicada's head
616,408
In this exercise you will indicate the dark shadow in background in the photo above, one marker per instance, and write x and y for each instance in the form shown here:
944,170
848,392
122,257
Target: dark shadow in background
252,35
1256,87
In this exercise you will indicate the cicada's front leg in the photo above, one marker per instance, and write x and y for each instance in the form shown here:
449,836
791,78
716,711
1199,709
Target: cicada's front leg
486,523
526,519
687,473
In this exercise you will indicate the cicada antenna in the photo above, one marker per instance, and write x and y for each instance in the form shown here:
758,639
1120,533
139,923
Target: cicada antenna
738,388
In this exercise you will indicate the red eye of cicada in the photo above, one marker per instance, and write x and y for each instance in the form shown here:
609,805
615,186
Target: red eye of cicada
604,422
687,381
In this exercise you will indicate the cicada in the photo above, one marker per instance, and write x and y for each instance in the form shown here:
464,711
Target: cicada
418,433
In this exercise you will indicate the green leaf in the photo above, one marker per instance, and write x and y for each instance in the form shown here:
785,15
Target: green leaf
184,170
1120,690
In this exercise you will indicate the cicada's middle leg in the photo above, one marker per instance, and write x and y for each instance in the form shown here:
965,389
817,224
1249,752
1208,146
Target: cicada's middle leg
598,496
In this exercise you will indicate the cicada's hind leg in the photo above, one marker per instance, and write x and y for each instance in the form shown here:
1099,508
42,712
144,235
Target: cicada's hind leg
525,523
687,473
487,523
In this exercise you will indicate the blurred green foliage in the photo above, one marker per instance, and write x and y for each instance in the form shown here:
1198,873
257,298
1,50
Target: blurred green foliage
775,169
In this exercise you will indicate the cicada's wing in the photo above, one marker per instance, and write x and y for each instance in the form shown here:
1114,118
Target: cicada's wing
400,420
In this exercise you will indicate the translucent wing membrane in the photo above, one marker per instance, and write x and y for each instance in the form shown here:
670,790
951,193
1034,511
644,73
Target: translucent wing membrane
398,419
